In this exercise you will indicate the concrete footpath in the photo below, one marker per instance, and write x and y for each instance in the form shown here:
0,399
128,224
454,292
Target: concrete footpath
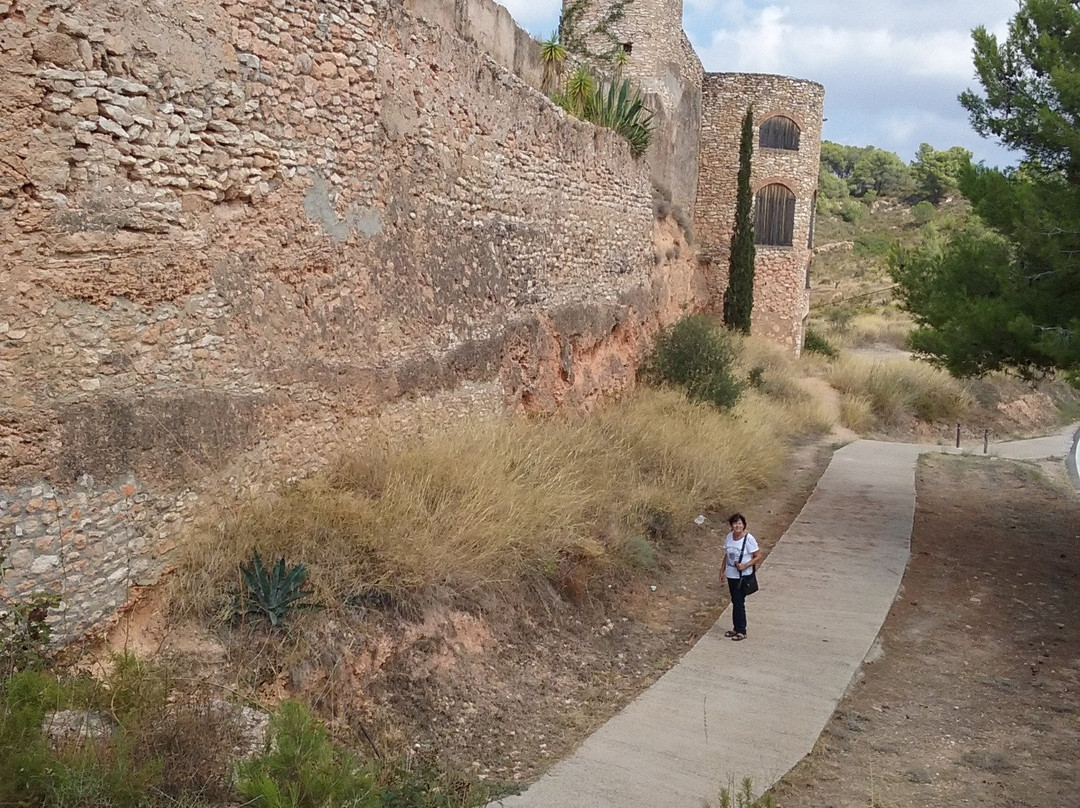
755,708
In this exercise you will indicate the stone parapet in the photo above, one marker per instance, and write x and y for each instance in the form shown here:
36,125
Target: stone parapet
490,27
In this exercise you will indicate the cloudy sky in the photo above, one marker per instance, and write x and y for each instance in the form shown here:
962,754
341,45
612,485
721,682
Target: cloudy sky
891,68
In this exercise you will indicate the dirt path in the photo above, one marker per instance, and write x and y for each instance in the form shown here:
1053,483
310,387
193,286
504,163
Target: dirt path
975,699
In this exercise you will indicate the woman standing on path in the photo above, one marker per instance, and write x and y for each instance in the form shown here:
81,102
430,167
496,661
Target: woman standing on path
741,557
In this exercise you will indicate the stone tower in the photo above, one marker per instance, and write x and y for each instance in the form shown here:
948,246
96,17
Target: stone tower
695,149
662,62
787,148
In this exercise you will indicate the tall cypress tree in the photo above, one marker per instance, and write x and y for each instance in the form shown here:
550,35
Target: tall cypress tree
739,296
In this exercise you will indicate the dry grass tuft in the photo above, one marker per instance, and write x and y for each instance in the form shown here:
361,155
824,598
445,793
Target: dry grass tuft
499,503
845,328
895,391
889,327
857,412
755,351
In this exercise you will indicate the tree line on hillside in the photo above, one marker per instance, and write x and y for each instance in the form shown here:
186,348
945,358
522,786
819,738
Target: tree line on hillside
1002,291
867,172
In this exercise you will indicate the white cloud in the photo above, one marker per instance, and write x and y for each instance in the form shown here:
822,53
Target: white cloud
888,68
758,46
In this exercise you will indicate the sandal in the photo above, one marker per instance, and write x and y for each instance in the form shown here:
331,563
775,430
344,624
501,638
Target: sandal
730,633
738,636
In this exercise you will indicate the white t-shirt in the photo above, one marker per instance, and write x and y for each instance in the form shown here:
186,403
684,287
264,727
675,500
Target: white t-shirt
732,548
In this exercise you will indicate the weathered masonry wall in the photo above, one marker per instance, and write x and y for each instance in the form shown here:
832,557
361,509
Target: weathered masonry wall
491,28
234,235
781,275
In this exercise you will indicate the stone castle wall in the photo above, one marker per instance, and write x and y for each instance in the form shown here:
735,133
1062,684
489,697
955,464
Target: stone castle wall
781,279
237,236
665,66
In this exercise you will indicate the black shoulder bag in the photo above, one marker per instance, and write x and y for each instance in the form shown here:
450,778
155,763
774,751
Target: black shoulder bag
747,583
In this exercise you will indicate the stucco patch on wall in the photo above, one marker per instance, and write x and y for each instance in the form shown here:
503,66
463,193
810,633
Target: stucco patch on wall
319,205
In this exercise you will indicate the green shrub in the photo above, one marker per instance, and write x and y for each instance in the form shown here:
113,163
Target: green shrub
840,317
742,797
103,774
815,342
923,212
26,762
302,769
134,692
868,244
639,552
77,773
696,355
852,211
25,632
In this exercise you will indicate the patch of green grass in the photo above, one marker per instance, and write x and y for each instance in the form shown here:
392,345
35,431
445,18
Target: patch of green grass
815,342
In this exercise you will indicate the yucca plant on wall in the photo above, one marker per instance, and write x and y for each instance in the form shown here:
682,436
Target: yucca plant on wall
577,93
615,105
619,107
553,58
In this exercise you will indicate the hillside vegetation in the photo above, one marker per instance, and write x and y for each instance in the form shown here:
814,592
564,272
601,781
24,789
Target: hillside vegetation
870,202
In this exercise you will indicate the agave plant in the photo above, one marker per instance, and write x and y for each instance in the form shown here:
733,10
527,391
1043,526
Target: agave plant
618,107
275,594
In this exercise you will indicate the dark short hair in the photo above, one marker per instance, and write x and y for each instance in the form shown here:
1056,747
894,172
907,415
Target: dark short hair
736,517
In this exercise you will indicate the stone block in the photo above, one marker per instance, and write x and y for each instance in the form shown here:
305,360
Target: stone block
44,563
48,168
56,48
78,725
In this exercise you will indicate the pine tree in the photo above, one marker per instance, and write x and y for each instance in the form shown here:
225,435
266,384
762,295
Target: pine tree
739,297
1004,294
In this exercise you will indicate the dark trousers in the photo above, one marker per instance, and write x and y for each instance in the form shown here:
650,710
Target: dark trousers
738,605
